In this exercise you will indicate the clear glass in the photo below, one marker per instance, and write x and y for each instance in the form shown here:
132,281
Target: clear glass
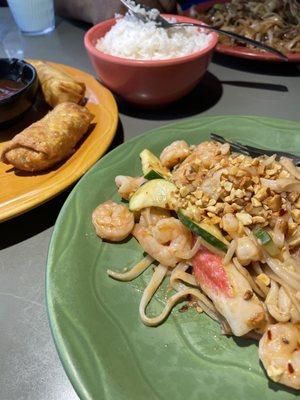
13,44
33,17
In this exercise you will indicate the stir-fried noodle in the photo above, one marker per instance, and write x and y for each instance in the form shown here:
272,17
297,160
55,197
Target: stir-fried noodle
224,229
273,22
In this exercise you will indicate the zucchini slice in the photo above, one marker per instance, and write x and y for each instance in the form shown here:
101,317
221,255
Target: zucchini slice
153,175
203,230
265,239
155,193
151,166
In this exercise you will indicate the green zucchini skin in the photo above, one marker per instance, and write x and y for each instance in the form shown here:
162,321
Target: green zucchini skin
153,175
152,167
194,227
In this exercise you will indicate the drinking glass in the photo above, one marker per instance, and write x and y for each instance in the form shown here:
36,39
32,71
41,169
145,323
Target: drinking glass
33,17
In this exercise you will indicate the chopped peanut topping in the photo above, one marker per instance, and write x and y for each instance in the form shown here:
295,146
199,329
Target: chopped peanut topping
213,182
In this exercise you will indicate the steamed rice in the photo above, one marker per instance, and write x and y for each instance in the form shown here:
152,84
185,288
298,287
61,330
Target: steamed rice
134,39
139,8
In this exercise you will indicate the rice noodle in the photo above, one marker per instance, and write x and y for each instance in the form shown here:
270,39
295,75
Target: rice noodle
281,185
204,303
287,276
288,164
185,277
179,274
183,291
230,251
269,160
291,292
159,273
277,234
284,301
249,278
134,272
293,300
257,268
188,254
272,304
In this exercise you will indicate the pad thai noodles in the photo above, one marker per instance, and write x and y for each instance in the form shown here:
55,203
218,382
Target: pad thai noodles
273,22
224,230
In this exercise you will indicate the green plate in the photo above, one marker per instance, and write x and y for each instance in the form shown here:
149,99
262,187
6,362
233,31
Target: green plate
105,349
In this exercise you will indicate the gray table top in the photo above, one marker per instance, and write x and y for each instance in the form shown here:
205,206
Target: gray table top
30,367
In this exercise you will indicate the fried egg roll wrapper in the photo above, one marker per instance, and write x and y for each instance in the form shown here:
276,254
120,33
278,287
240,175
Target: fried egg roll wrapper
50,140
57,86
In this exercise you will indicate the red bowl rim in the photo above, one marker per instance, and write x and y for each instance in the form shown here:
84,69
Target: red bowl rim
149,63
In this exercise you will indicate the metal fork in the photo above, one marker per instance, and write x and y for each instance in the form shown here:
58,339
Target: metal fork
254,151
163,23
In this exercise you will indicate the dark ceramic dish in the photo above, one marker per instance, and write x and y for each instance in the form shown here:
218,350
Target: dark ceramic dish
20,101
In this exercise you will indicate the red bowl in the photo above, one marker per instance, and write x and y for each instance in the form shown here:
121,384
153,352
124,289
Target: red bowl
148,83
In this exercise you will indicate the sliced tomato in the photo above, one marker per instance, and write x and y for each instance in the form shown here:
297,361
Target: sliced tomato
210,272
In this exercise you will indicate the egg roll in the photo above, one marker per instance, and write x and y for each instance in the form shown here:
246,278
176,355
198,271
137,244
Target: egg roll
49,140
57,86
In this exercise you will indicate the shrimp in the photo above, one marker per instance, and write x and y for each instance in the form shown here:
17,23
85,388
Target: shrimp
174,154
128,185
203,157
279,351
165,241
112,221
209,153
171,231
151,215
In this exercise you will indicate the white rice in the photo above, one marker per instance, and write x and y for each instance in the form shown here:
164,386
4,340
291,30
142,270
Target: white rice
134,39
138,8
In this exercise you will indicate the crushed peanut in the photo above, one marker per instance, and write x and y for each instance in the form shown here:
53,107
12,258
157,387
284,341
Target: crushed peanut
264,279
213,182
274,203
244,218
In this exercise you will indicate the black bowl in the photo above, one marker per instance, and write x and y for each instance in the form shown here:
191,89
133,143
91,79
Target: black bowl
20,101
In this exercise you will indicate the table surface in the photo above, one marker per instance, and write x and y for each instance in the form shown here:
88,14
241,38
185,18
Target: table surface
30,367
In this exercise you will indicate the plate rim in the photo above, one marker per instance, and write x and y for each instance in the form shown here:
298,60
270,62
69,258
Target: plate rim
49,193
240,51
252,54
54,327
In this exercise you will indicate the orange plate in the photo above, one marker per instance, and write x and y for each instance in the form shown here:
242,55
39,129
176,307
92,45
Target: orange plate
20,192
